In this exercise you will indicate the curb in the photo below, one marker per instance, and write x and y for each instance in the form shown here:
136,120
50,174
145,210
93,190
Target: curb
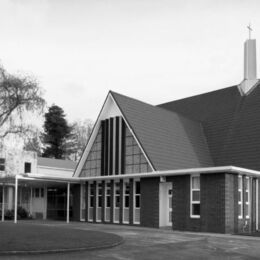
61,250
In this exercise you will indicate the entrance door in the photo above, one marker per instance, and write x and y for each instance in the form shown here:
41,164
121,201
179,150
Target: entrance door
165,204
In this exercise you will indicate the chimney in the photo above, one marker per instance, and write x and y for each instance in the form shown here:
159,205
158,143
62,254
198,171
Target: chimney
250,79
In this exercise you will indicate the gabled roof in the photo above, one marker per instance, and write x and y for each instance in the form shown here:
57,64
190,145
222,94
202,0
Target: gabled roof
231,124
170,141
56,163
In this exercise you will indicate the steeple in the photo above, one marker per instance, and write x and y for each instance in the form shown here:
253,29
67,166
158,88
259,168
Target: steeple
250,78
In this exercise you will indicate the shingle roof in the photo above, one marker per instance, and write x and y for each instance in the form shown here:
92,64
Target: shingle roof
170,141
231,124
56,163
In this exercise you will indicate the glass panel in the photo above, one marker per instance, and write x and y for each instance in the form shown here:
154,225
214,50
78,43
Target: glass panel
240,182
170,216
137,188
195,195
246,197
126,201
247,183
196,209
239,209
137,201
239,196
246,210
170,203
195,182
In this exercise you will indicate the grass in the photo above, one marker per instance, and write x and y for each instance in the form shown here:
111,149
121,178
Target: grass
30,237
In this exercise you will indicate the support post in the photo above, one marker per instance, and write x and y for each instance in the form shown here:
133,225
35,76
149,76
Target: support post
257,201
31,198
68,202
15,199
3,202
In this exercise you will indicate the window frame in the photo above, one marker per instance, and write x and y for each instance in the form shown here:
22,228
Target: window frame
247,190
240,191
136,195
194,202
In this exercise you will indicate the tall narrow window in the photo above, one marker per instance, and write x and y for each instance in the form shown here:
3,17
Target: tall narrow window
91,201
2,164
195,196
126,202
82,202
117,202
108,201
137,202
99,201
240,197
247,197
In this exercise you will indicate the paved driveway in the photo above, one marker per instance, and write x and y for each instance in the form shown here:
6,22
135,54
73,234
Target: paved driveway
144,243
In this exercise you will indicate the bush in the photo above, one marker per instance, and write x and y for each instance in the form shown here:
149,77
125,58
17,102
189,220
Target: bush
9,214
22,212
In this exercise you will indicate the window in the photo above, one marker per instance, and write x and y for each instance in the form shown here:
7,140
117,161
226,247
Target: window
39,192
107,201
240,197
27,167
117,202
126,202
99,201
91,194
137,202
247,197
82,202
2,164
195,196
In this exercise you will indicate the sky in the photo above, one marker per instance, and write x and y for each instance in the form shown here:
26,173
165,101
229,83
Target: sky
152,50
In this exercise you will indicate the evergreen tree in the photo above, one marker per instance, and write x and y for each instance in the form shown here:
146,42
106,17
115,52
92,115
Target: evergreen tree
56,133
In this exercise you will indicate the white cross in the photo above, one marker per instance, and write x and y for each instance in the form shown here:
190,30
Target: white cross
249,30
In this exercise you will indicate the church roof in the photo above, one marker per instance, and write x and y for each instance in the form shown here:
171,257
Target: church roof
170,140
231,123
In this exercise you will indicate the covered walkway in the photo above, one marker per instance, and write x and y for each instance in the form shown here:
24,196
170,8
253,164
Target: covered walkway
30,191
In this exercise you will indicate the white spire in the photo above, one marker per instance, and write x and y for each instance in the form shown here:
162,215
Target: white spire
250,77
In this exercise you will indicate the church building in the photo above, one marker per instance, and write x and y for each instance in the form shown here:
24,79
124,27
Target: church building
191,164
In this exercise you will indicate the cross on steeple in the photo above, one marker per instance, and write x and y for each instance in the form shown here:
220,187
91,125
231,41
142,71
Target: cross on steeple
249,30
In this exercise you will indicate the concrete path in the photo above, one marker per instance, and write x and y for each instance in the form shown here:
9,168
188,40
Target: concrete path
145,243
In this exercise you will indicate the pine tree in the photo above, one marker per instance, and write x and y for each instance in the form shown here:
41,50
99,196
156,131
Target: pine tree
56,133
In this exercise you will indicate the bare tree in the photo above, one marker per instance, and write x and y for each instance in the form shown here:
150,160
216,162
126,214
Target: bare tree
81,131
19,95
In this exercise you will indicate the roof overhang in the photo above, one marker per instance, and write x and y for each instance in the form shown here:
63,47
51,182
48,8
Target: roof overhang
168,173
208,170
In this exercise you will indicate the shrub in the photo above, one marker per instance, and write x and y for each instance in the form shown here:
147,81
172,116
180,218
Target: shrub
22,212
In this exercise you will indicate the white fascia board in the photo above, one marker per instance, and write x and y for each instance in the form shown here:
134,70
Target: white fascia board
109,109
218,169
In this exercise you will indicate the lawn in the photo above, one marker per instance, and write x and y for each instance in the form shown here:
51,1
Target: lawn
39,238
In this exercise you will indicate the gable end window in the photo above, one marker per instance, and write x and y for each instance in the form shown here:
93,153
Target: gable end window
195,197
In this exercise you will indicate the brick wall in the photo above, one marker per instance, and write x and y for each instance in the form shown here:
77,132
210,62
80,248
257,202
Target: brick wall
150,202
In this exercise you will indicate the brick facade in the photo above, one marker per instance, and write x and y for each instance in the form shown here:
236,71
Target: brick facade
150,202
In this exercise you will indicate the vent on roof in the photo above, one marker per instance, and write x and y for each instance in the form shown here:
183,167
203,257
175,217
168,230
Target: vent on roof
250,79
